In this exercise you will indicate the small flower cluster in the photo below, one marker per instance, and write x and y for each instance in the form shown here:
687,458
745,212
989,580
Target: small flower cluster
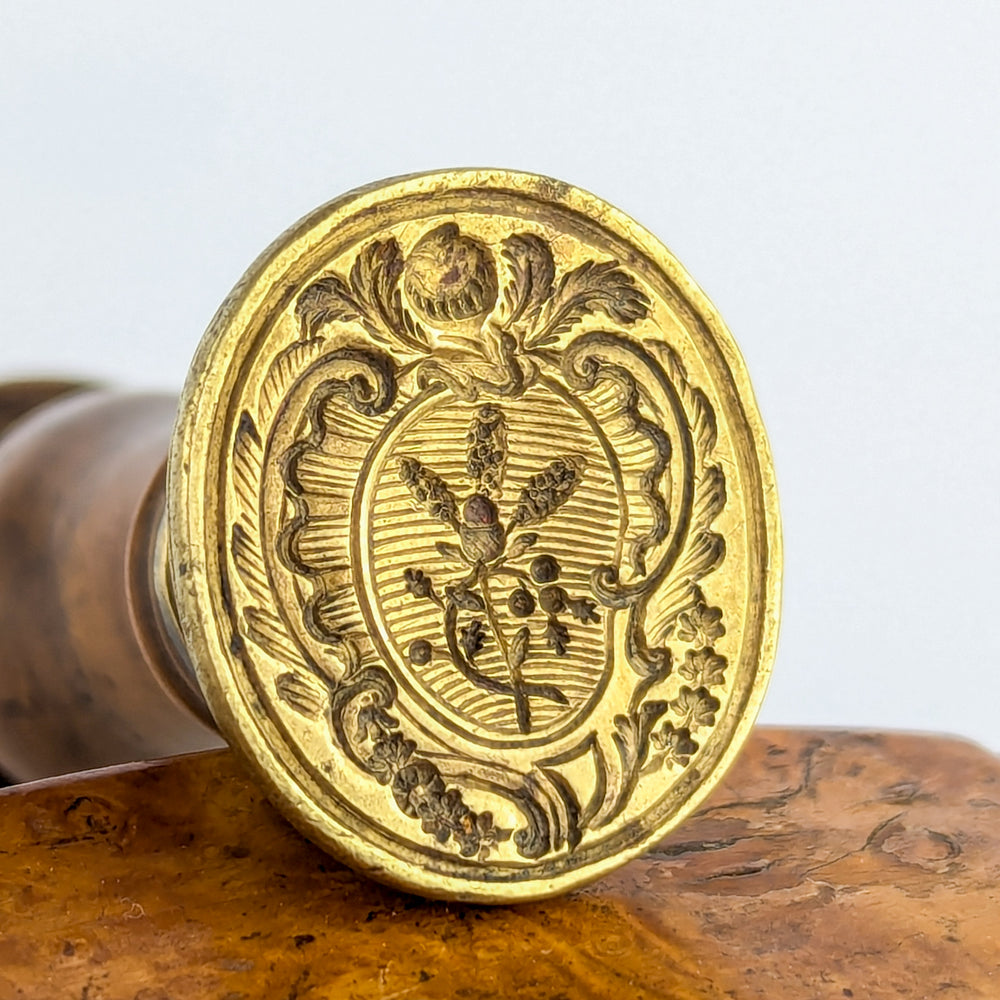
701,625
429,489
486,454
695,707
677,744
420,792
546,491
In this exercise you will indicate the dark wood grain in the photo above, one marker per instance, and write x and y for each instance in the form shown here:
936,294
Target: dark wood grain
829,865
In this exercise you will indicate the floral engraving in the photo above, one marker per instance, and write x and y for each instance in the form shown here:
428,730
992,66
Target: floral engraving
490,565
483,323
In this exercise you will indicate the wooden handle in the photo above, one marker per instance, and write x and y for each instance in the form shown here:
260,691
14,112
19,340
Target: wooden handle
79,688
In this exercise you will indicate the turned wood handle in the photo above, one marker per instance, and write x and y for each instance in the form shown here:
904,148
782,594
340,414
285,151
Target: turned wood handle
80,685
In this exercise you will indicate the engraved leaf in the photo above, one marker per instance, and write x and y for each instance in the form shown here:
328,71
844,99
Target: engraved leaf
245,544
328,300
703,552
519,647
248,462
703,548
283,371
449,551
249,563
472,638
373,280
264,628
566,808
376,270
521,544
407,328
592,287
710,495
304,693
532,271
633,732
632,742
370,295
701,416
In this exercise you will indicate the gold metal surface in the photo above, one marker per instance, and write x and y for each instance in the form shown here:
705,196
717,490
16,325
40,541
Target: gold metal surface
474,538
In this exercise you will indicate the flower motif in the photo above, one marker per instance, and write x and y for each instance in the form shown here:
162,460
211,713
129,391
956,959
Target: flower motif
703,667
440,814
417,582
557,636
389,756
695,707
487,551
701,625
583,609
677,744
420,792
415,785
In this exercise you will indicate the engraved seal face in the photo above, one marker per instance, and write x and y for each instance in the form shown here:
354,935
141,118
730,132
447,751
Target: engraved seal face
474,538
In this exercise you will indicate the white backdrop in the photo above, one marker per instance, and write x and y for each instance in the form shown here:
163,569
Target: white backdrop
827,172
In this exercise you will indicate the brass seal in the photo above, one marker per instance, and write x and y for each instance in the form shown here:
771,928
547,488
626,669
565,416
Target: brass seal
473,533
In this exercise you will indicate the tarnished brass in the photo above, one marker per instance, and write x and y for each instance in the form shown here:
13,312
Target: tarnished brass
472,535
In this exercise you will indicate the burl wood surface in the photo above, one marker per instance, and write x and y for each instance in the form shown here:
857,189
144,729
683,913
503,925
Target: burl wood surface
829,865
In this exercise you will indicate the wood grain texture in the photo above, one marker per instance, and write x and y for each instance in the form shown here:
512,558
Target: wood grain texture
829,865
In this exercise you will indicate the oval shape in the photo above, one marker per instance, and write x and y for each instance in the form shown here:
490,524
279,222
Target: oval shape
474,535
400,539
